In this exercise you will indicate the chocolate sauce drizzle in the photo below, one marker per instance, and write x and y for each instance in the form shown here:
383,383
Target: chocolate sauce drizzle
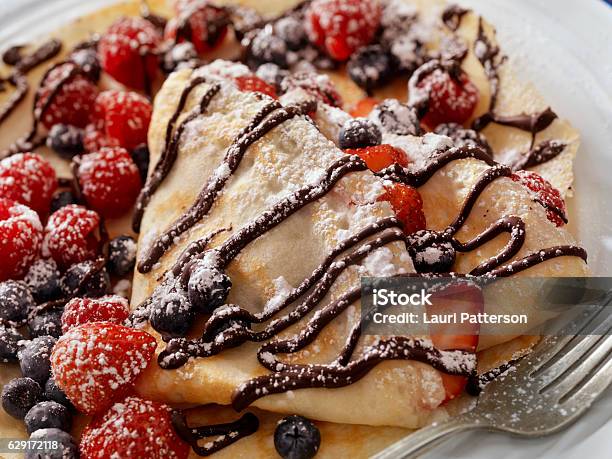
452,16
226,433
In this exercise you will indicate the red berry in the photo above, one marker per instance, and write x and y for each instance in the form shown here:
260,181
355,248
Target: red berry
340,27
199,22
123,118
408,206
21,236
109,180
72,97
363,108
545,194
70,235
127,52
451,100
97,363
317,85
254,84
457,298
380,157
78,311
29,179
94,140
134,428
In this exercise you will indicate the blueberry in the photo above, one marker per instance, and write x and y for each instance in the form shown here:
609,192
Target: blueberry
46,415
245,20
43,278
371,67
19,395
272,74
65,140
16,301
9,338
66,447
173,315
62,199
291,30
140,155
393,117
34,358
87,59
46,323
296,437
359,133
463,137
178,55
265,46
409,53
208,288
56,394
85,279
121,255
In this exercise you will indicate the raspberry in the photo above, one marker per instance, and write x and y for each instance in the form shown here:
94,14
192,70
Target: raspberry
28,179
317,85
127,52
123,118
451,100
94,140
78,311
364,107
96,364
380,157
545,194
21,236
199,22
408,206
134,428
109,180
72,102
340,27
70,235
254,84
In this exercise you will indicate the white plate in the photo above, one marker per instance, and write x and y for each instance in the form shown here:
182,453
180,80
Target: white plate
564,47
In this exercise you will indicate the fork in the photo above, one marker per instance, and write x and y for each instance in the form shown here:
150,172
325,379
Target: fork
546,391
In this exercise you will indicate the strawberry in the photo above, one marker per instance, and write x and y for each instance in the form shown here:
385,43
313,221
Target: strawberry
70,235
379,157
255,84
127,52
363,107
123,118
545,194
451,100
94,140
28,179
65,96
455,298
199,22
408,206
21,236
133,428
97,363
109,180
78,311
340,27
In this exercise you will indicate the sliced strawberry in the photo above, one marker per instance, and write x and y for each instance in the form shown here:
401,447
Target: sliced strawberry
65,97
29,179
545,194
255,84
97,363
408,206
70,235
21,236
133,428
380,157
363,108
451,100
456,298
79,311
340,27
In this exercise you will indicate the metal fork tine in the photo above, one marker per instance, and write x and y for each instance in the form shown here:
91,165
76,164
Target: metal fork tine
583,395
569,354
574,375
